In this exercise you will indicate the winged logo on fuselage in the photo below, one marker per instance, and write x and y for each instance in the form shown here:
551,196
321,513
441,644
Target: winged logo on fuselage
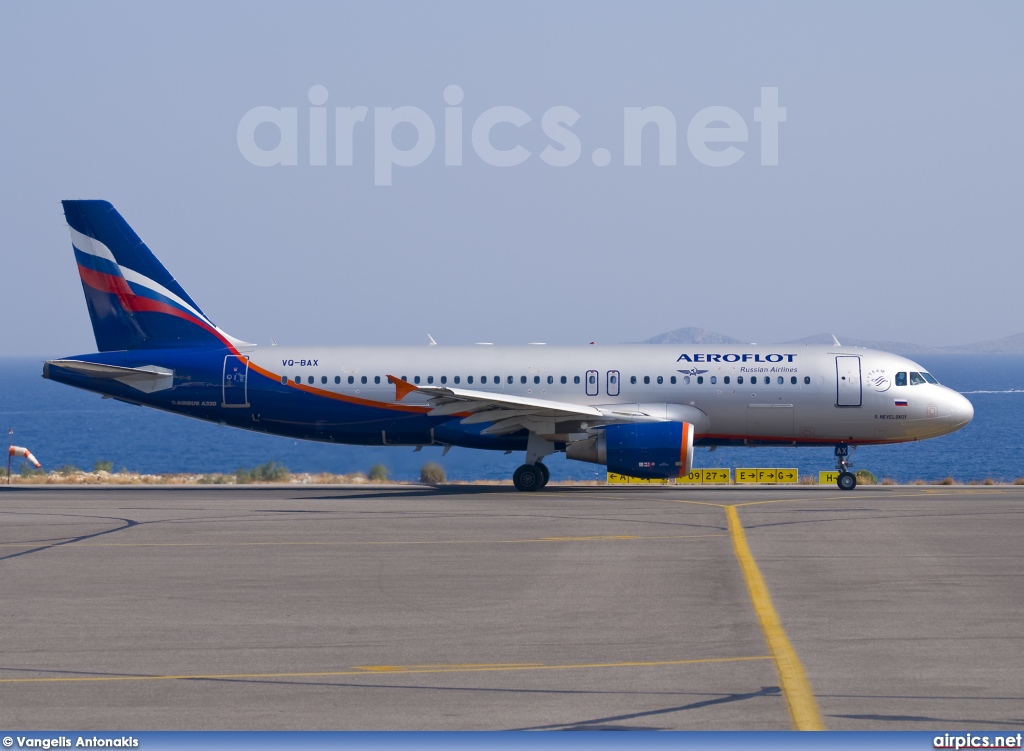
692,372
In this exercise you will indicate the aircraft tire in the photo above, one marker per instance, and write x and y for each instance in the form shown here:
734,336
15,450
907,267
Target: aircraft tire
528,478
847,481
546,474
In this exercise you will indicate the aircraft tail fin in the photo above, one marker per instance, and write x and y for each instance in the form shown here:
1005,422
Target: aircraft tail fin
133,301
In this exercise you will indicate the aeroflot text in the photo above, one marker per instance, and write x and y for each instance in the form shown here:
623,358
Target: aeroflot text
705,357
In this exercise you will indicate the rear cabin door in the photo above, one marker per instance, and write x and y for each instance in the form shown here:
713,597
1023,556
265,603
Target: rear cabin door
236,381
848,386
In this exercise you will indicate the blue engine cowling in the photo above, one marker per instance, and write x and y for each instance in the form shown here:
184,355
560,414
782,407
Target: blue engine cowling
651,450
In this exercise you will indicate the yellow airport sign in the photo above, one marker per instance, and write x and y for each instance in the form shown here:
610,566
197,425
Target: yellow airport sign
706,477
828,478
768,475
615,478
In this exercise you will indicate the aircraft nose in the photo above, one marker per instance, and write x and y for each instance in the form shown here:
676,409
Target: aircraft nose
961,411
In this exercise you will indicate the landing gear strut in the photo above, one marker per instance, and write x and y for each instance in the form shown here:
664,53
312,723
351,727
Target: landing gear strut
531,477
846,480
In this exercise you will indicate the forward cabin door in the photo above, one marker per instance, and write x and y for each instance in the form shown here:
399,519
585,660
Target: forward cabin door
848,386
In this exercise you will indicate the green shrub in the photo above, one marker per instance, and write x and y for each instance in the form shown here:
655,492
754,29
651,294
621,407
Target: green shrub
432,473
103,466
864,477
27,470
269,471
378,473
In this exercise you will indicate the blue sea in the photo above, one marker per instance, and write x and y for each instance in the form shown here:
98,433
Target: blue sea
65,426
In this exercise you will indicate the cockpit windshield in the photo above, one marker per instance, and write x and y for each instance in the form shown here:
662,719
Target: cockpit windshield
916,379
929,377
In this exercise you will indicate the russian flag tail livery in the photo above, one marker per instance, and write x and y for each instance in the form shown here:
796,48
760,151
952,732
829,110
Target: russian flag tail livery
133,301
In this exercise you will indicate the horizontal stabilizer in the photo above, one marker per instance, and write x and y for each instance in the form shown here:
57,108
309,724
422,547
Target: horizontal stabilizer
147,378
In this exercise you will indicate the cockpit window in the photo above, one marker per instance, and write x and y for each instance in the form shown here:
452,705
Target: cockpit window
929,377
901,379
916,379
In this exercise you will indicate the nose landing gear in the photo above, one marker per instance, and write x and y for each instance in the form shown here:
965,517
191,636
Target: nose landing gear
846,480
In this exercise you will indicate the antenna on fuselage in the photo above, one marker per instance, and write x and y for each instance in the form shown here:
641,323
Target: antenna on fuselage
432,342
836,341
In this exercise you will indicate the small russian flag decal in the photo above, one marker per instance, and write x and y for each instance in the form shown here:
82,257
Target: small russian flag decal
901,402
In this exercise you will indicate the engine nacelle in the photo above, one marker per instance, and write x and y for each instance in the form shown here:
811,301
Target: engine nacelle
651,450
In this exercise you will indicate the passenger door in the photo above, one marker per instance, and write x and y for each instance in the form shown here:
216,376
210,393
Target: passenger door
612,383
848,386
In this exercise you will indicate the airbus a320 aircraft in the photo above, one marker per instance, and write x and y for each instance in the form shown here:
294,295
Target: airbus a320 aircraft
638,409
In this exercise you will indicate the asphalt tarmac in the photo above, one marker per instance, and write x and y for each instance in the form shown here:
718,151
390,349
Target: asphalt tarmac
325,607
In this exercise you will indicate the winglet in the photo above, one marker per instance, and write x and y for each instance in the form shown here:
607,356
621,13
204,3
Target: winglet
402,388
836,341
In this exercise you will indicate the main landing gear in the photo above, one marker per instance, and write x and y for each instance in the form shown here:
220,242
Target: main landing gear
531,477
534,475
846,480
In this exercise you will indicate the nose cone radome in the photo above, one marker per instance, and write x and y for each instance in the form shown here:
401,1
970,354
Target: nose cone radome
961,412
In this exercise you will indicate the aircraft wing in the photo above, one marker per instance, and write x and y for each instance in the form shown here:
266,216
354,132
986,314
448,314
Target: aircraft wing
509,413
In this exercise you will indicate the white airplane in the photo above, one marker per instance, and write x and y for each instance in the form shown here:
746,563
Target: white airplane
638,409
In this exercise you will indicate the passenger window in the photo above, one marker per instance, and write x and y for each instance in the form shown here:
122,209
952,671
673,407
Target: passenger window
430,379
792,379
564,379
661,380
901,379
714,379
416,379
592,379
647,379
497,380
510,379
310,380
916,379
405,378
444,380
298,379
807,380
536,379
351,379
929,377
673,379
376,379
632,379
576,379
522,379
725,379
337,379
457,379
700,379
686,380
781,380
284,379
469,379
483,379
323,379
551,379
739,379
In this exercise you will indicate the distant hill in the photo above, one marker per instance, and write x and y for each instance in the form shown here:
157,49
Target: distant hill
692,335
1010,345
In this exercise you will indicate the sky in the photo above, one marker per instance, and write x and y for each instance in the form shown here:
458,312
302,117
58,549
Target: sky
886,207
